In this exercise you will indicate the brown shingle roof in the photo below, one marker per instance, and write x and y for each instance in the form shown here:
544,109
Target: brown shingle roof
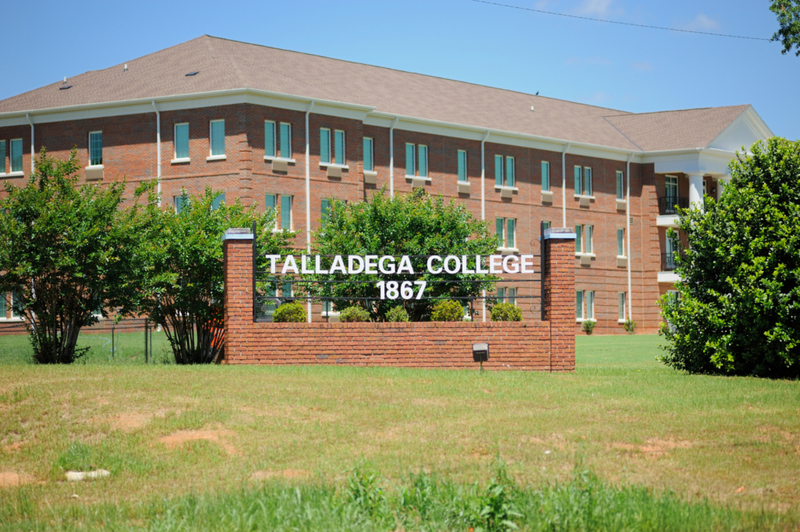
225,64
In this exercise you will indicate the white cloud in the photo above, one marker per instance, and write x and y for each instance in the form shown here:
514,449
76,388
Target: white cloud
593,8
702,23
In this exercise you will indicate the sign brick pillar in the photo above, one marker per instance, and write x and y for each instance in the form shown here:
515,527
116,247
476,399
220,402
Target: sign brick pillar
559,294
237,246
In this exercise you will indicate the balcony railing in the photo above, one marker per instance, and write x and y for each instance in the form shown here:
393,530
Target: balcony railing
669,204
668,261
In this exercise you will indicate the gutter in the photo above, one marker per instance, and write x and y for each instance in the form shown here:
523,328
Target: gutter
564,184
483,199
33,150
628,233
391,157
158,151
308,196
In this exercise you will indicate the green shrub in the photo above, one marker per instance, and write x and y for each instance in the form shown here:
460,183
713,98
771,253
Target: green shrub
447,310
290,312
506,312
397,314
588,326
354,314
629,326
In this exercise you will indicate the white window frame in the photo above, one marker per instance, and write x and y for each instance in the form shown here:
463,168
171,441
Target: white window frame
582,182
622,307
175,158
332,148
416,150
620,176
585,312
504,173
621,243
223,155
90,150
371,142
459,155
277,135
584,235
504,245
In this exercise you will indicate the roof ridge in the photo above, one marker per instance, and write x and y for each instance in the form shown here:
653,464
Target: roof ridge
471,83
680,110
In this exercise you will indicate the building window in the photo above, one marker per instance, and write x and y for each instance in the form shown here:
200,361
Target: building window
545,176
181,141
507,295
545,225
278,139
16,304
620,185
462,165
16,155
287,289
95,149
325,207
583,180
671,184
179,202
583,239
621,312
584,304
504,175
416,160
325,146
369,163
218,201
217,138
506,228
671,251
2,157
620,242
2,306
338,147
286,213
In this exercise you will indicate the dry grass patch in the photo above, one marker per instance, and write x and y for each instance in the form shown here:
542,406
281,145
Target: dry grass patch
220,437
12,479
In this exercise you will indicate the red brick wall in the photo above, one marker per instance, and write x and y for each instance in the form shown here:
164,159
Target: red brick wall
532,344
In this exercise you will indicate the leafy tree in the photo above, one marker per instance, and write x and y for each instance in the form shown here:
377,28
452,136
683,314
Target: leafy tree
64,253
788,12
416,225
738,312
182,285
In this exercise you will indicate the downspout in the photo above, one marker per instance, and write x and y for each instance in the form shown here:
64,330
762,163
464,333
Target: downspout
391,157
158,150
33,150
564,184
308,196
483,199
628,233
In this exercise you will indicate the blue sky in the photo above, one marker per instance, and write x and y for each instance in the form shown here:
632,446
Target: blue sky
622,67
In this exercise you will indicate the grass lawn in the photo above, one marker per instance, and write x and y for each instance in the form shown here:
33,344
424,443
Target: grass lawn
185,435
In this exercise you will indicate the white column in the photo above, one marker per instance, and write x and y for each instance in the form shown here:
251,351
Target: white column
722,182
696,191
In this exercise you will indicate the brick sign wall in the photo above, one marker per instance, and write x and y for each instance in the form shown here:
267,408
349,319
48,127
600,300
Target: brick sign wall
541,345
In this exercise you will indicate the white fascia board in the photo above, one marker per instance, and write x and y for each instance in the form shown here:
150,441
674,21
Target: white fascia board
704,161
186,101
435,127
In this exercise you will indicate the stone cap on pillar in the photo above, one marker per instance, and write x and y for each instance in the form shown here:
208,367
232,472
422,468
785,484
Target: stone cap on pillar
561,233
237,233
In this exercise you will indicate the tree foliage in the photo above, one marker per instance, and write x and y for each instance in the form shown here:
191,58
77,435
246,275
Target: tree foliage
65,254
416,225
182,282
788,34
738,312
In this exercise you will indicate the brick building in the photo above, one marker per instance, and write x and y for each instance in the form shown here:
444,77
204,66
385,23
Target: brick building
290,130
